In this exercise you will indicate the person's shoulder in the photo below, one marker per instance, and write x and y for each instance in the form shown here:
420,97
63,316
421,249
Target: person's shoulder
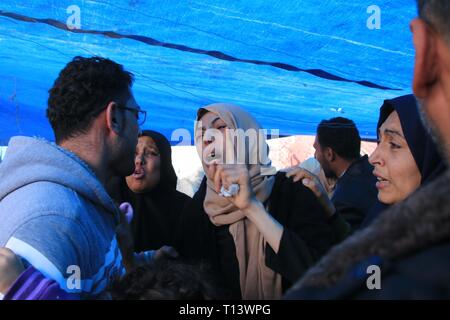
431,263
360,169
48,194
179,200
181,195
359,178
40,199
282,182
419,275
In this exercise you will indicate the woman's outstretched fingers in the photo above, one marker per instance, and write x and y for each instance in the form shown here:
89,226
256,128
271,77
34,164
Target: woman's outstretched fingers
308,179
298,174
217,177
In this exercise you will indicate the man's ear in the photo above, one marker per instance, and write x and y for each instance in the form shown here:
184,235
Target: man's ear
425,67
330,156
113,118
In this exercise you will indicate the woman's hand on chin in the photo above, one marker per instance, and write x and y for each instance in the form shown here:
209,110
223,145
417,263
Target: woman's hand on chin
228,174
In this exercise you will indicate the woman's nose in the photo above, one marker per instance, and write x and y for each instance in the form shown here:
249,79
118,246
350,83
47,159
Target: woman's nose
139,160
375,158
207,142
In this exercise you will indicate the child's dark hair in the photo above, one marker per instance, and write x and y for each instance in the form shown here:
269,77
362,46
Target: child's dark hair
169,279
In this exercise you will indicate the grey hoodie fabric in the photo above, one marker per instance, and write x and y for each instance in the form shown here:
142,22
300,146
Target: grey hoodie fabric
57,215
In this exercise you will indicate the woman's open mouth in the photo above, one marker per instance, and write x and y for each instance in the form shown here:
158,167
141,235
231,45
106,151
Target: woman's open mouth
381,182
138,174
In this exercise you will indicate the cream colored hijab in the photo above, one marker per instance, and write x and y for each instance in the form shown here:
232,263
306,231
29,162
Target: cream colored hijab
256,279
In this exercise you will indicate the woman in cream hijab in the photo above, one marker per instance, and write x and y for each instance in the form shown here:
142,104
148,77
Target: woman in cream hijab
257,228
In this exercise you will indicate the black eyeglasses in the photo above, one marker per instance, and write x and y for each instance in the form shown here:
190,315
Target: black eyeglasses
141,115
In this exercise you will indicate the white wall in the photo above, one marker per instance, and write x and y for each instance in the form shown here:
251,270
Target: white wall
188,168
2,153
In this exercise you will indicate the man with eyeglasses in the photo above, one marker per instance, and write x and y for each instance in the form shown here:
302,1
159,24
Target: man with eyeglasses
55,212
141,115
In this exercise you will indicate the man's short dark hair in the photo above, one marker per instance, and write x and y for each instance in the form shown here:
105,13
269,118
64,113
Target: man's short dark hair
169,279
82,90
436,13
341,135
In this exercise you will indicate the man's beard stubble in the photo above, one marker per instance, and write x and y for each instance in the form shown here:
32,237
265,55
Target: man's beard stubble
433,132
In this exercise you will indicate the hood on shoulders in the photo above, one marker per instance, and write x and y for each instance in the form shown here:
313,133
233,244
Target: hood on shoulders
29,160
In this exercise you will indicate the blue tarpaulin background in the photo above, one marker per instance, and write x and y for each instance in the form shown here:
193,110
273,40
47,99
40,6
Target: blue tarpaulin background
290,63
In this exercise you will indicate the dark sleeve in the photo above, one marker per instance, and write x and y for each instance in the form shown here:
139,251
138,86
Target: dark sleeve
188,224
178,207
307,234
191,238
341,228
353,215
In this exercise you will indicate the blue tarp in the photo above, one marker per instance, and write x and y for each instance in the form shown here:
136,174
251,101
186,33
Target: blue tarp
289,62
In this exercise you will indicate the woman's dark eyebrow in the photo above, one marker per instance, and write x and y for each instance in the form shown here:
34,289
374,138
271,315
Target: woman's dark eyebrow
150,149
214,121
394,132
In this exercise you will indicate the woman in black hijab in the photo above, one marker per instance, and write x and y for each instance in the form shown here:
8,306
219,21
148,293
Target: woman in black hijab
388,254
406,156
151,190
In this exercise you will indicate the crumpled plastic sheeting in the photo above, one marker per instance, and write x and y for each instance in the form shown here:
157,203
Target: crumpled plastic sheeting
290,63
